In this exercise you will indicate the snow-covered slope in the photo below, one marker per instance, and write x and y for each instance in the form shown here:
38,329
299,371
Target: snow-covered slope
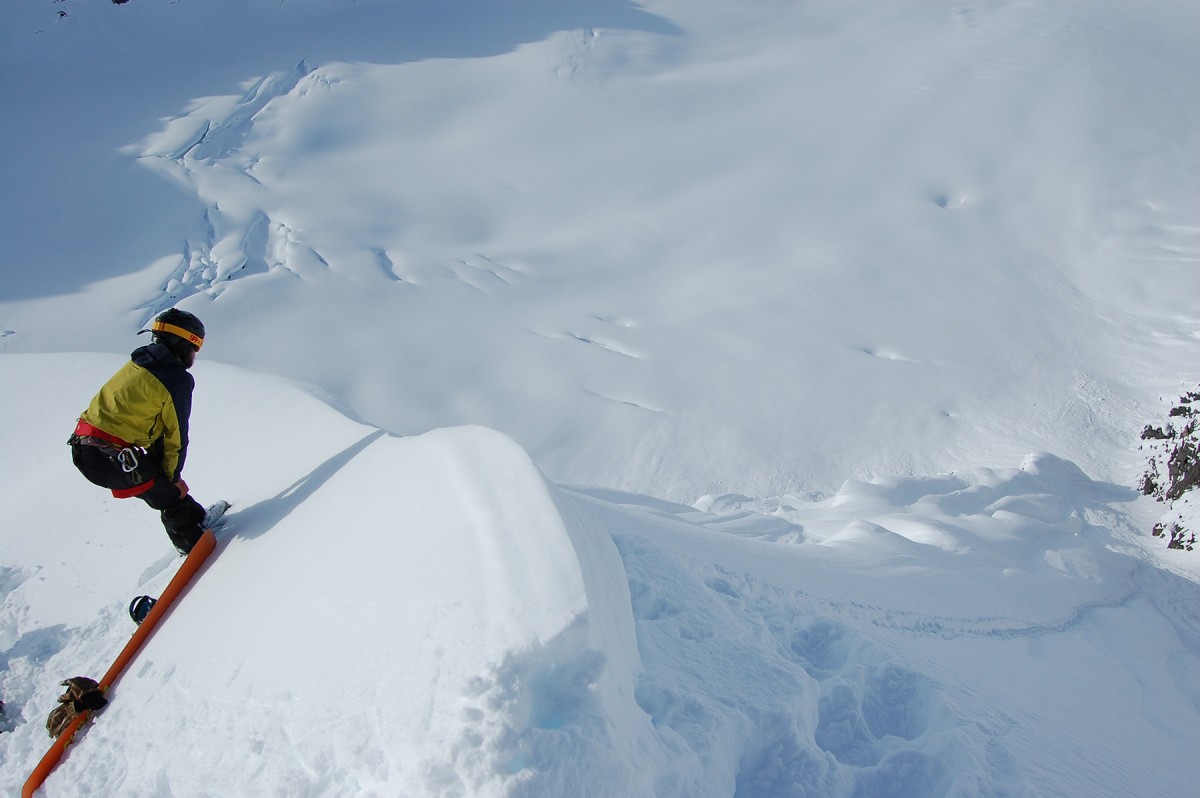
374,602
669,247
732,398
430,616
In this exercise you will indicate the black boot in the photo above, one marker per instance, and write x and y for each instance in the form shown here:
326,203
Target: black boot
182,523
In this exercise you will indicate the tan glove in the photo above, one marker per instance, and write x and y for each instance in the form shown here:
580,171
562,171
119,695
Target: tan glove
82,694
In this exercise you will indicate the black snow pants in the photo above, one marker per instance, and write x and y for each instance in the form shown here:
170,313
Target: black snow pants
181,515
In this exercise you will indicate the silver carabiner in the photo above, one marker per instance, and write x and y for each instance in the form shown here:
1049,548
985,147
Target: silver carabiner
127,457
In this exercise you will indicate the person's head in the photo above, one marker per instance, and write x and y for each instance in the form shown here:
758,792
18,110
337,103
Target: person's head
180,332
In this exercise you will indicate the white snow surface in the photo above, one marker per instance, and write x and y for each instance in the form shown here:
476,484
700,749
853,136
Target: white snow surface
615,399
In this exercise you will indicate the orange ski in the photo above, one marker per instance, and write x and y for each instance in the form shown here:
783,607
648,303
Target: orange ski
191,566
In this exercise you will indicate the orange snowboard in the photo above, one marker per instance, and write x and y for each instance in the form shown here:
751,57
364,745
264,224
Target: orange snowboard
191,566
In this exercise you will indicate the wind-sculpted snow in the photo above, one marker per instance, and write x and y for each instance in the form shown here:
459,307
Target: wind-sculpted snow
428,616
670,373
404,618
384,613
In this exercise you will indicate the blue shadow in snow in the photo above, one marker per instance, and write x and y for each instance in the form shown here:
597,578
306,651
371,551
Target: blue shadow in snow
258,519
155,63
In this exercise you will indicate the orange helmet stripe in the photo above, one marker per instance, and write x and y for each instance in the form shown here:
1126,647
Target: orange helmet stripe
190,337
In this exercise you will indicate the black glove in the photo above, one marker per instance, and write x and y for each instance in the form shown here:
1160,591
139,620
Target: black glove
82,693
91,701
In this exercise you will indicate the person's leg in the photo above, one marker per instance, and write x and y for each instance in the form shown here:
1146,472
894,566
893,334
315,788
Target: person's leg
97,467
181,515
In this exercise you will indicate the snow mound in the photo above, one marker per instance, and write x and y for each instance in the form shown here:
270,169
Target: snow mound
383,613
402,612
429,616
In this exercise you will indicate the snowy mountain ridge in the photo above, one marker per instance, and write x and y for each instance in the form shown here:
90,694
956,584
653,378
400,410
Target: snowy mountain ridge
616,399
430,616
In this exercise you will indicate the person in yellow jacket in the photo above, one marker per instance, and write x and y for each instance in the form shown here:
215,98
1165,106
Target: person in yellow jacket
133,437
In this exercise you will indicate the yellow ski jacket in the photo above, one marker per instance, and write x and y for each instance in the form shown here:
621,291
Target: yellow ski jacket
147,404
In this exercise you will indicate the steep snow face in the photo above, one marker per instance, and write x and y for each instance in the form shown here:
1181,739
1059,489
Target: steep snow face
428,616
383,613
392,621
